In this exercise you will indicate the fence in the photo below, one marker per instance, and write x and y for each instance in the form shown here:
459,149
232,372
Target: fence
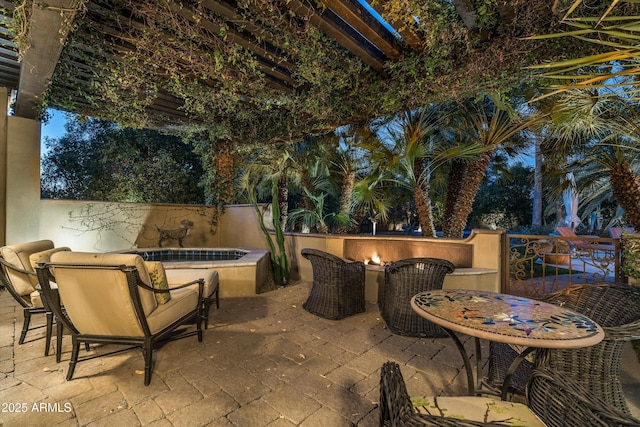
538,265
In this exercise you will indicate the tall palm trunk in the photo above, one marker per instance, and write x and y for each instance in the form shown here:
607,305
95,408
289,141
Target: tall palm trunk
421,197
626,190
457,174
475,174
346,199
225,170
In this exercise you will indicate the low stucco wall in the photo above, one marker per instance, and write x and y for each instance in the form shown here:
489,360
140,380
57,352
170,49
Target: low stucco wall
105,227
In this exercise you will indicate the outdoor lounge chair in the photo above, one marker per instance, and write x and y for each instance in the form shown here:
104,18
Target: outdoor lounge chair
337,290
615,307
551,399
584,247
111,299
616,232
402,280
19,278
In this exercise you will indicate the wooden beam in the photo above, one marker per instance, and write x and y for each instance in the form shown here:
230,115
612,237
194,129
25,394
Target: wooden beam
48,30
354,14
403,28
343,34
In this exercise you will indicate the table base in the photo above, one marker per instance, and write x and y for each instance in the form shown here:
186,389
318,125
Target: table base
478,386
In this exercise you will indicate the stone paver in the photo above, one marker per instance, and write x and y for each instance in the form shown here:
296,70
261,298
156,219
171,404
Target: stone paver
264,361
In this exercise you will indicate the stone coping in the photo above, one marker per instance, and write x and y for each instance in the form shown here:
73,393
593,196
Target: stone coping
251,258
461,271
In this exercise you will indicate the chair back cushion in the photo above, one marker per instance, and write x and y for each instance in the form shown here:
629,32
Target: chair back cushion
158,280
44,256
18,256
98,301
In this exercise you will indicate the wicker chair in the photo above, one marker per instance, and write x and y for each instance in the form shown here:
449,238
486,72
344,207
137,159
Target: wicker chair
562,402
337,290
397,410
402,280
616,307
555,400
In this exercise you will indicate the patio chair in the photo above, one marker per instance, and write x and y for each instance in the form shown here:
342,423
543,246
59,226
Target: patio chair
111,299
584,246
397,408
615,307
551,399
402,280
337,290
19,278
616,232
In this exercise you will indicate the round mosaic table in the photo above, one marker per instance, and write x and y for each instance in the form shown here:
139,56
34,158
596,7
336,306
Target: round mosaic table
504,318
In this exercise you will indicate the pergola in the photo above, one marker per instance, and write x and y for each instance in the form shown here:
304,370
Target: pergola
254,69
319,63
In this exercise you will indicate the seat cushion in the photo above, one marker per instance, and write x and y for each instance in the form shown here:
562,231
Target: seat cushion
484,409
18,256
158,280
181,276
183,301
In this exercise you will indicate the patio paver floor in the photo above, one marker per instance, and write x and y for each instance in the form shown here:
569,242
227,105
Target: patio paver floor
264,361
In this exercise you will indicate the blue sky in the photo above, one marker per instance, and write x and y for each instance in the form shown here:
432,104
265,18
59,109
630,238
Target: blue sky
54,128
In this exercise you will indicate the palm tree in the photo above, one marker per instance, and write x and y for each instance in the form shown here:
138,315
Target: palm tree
600,136
483,130
410,134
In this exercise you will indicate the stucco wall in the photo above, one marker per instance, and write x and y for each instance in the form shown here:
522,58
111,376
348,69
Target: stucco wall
23,180
107,226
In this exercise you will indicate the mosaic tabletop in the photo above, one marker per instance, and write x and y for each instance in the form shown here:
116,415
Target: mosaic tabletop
507,318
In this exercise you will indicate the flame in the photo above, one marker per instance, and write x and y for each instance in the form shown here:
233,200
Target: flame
375,259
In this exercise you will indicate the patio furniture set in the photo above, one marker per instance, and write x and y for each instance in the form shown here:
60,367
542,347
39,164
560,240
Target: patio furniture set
578,333
577,336
106,298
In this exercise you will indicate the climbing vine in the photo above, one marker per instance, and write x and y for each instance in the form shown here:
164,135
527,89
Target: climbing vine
141,52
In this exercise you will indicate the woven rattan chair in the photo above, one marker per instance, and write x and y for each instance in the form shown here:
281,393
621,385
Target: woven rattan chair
337,290
616,307
562,402
402,280
556,401
397,410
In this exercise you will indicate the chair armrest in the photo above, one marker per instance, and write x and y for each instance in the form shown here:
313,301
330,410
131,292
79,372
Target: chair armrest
14,268
560,401
627,332
200,283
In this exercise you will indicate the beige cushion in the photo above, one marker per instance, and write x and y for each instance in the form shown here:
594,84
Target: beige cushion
183,301
484,409
44,256
18,256
147,298
158,280
181,276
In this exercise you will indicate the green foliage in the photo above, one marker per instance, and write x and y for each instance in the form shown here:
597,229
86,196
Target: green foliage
221,83
631,256
97,160
504,200
279,261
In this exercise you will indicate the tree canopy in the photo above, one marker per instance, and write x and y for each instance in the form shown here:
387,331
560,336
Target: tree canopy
98,160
